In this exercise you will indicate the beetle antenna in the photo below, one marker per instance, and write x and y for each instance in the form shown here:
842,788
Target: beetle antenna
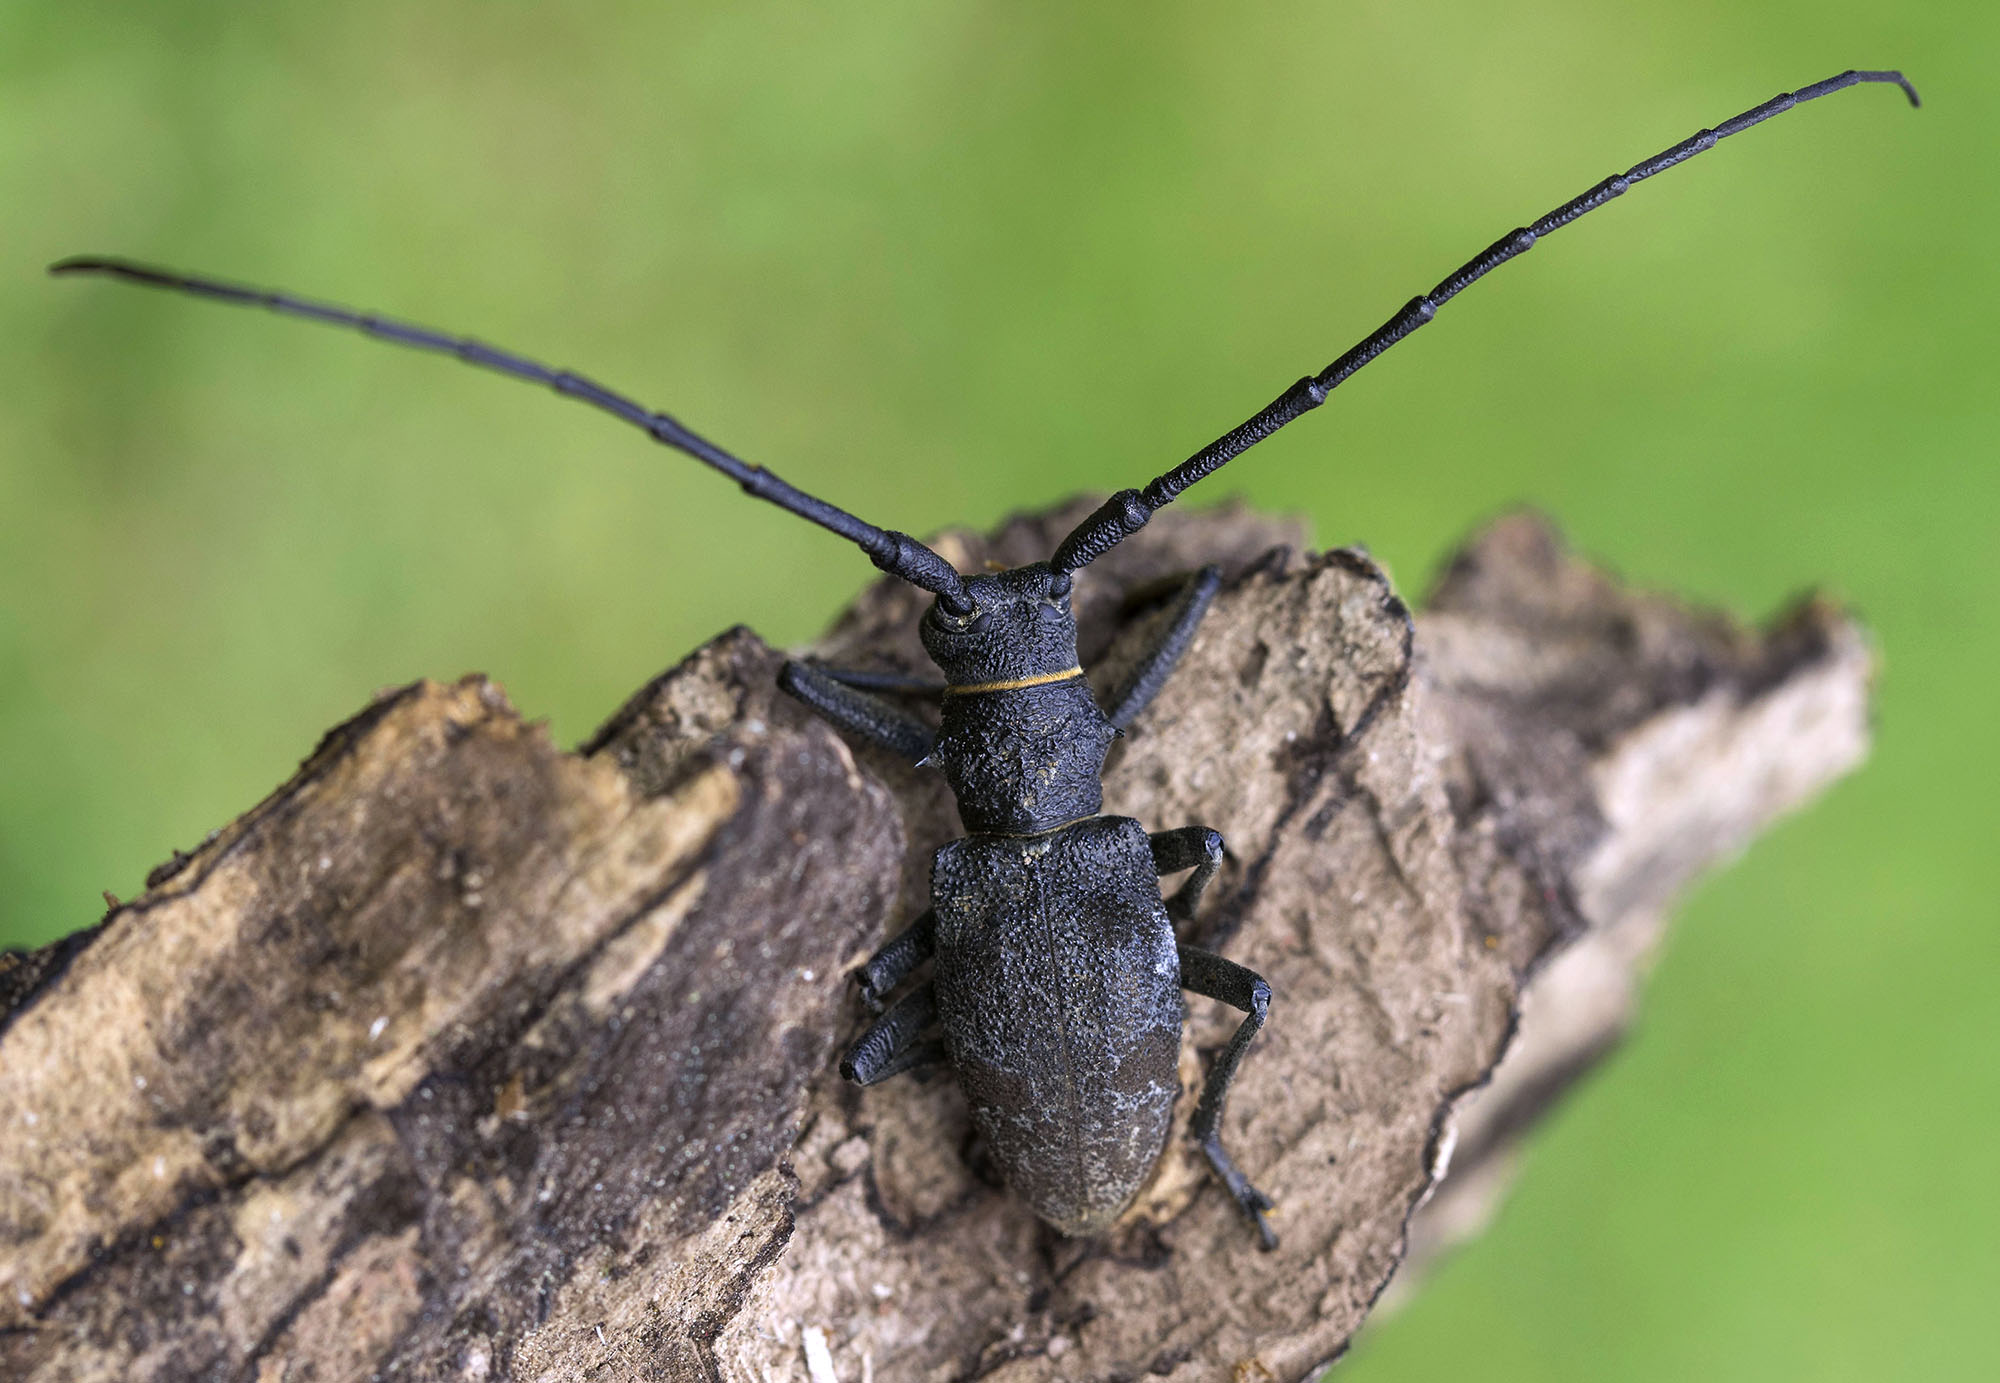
896,553
1126,512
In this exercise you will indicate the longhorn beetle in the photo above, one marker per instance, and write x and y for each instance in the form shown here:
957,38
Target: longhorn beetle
1056,976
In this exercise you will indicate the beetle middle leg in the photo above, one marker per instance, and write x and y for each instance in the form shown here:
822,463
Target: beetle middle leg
894,1043
1213,977
1189,847
901,954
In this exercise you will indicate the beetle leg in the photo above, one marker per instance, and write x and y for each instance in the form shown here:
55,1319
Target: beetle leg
1151,672
857,712
1210,975
1190,847
895,683
890,1045
891,965
915,1057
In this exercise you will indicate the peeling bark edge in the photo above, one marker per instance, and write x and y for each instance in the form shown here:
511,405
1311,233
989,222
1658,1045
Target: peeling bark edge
27,974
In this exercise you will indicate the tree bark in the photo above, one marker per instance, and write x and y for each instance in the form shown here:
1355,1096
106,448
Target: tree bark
461,1056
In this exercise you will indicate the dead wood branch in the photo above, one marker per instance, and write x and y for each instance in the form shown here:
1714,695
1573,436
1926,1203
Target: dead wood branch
465,1057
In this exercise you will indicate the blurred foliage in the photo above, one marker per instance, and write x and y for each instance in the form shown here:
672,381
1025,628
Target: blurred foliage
939,261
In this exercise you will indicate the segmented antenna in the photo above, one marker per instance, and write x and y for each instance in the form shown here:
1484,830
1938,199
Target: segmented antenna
1126,512
896,553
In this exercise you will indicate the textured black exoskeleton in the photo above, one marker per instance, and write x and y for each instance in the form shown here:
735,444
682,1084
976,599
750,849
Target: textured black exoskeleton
1056,975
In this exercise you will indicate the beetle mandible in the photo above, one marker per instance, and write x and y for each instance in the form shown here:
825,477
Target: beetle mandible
1055,992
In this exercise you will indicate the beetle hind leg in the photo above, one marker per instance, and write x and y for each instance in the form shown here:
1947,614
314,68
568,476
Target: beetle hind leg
1213,977
891,1044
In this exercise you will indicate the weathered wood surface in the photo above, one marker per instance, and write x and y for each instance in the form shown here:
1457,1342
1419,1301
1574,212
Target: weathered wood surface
464,1057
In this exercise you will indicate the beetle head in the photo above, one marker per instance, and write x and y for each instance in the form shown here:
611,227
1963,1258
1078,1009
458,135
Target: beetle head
1021,740
1020,626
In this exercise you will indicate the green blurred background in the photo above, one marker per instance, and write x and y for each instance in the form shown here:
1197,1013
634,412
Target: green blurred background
939,261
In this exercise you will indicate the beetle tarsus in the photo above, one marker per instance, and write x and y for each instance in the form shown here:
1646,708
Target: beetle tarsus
1252,1201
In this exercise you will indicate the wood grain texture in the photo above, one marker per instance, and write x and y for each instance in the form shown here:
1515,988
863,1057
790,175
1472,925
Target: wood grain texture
464,1057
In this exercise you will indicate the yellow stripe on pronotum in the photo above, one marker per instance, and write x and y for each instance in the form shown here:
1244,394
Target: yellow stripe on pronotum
1015,683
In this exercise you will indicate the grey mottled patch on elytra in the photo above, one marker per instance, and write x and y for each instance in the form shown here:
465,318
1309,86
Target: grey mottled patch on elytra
1058,991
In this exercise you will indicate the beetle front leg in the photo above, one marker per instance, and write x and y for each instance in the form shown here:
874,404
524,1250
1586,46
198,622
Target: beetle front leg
1156,665
1210,975
1190,847
890,1044
857,712
891,965
895,683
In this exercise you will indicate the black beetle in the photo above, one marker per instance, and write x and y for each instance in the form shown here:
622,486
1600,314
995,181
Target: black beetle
1055,992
